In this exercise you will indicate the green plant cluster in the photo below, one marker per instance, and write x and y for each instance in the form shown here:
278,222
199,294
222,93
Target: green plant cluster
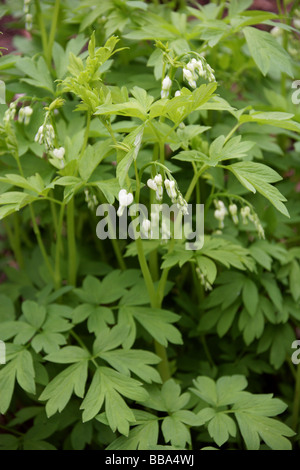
121,344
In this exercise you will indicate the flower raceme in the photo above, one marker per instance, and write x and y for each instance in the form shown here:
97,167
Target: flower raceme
46,135
196,68
10,112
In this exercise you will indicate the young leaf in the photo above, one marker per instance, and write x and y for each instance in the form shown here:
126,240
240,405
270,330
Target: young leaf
256,177
267,51
59,391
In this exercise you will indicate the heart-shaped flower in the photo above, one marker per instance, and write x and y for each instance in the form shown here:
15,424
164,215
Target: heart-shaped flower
125,199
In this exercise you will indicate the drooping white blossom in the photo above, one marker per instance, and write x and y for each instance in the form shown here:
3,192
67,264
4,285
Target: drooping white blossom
189,77
220,212
10,113
25,114
233,211
28,21
157,185
59,153
125,199
245,213
197,68
46,135
171,189
165,88
146,228
151,184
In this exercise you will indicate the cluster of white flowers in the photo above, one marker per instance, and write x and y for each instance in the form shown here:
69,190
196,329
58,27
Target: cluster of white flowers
197,68
125,199
166,86
203,280
45,135
157,185
176,196
91,200
220,212
253,217
28,16
246,214
10,113
25,114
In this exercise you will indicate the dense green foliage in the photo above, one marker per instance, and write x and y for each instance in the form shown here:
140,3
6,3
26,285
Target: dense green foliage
121,344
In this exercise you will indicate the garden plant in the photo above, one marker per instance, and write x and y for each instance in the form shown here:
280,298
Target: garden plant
114,342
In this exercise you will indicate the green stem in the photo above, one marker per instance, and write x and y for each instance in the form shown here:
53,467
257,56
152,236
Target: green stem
163,366
295,414
118,254
162,152
162,285
194,182
5,428
86,135
199,293
111,132
207,352
39,16
54,215
58,247
145,270
53,31
235,128
40,241
113,241
18,240
14,240
153,255
35,226
81,343
72,255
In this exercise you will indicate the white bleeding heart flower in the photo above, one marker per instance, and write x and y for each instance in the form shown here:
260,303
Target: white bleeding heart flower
151,184
158,180
146,228
125,199
171,189
165,87
59,153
